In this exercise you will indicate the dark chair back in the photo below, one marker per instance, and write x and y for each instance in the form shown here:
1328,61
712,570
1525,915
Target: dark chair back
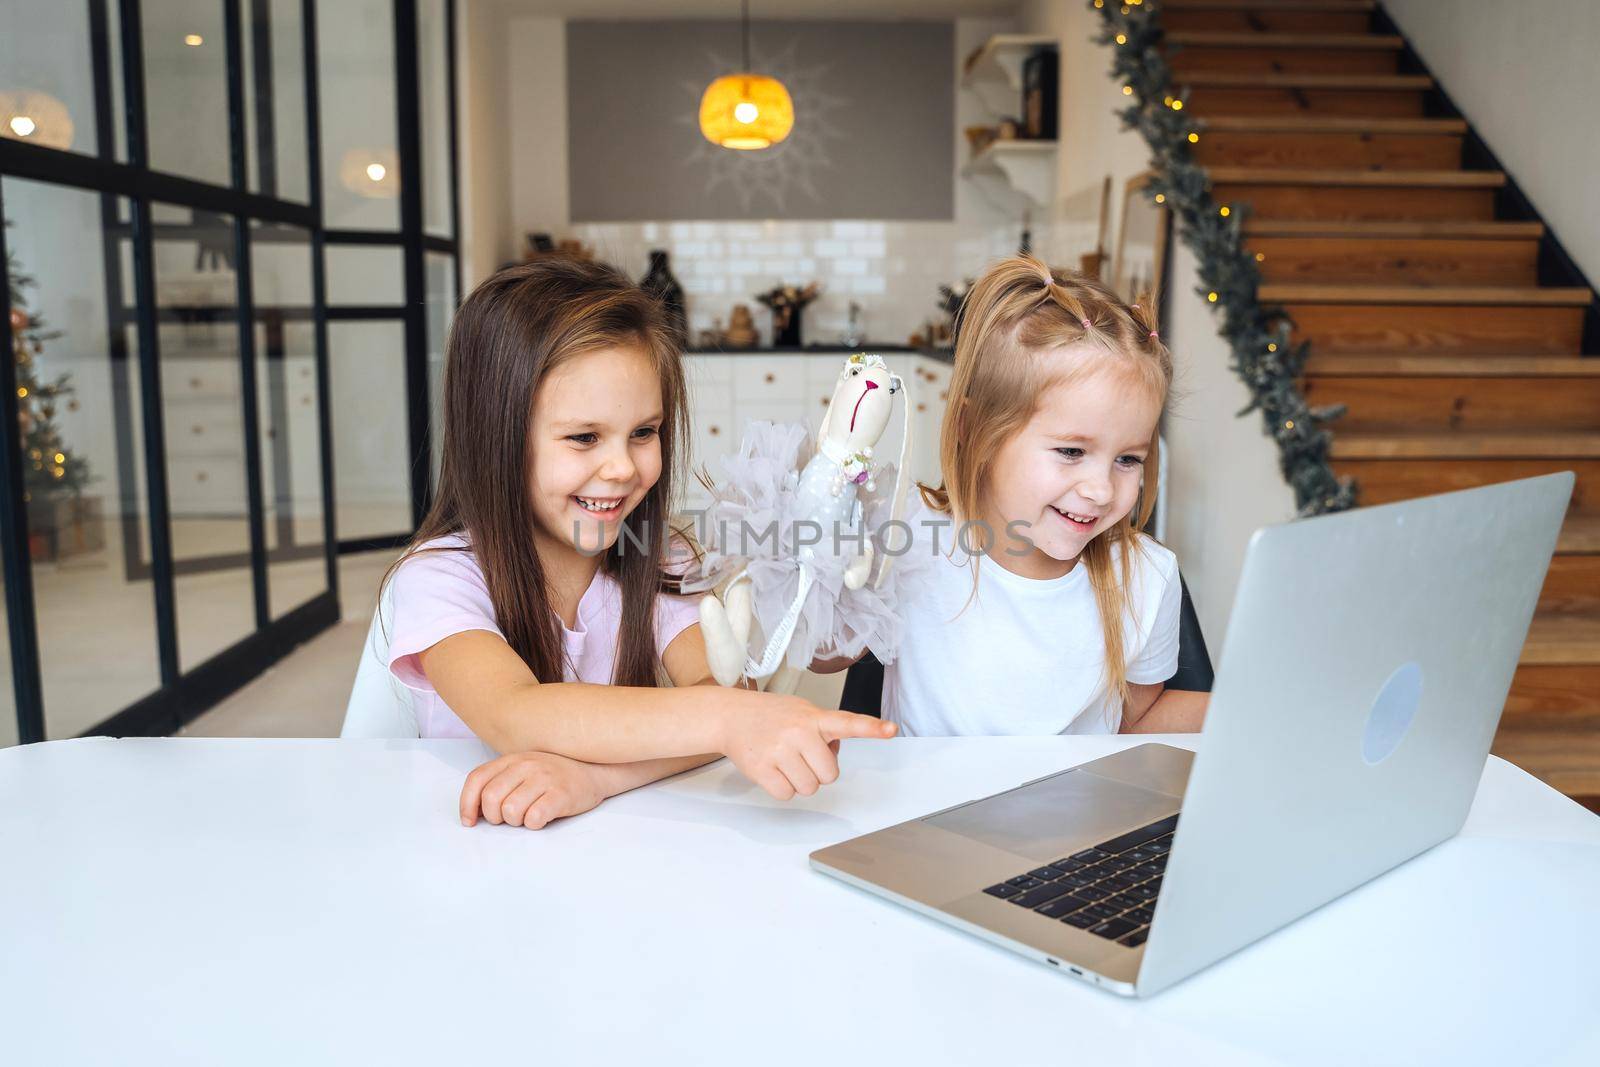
863,682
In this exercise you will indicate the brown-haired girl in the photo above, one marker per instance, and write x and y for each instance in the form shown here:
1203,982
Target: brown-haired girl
533,608
1047,610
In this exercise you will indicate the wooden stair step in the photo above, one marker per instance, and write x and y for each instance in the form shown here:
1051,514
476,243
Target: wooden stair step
1580,534
1268,18
1562,639
1233,79
1378,42
1330,124
1458,330
1572,586
1432,179
1505,444
1551,725
1361,6
1383,481
1256,92
1407,261
1541,296
1430,228
1474,404
1372,366
1355,149
1274,53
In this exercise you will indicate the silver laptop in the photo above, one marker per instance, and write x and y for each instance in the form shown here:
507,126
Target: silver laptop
1366,663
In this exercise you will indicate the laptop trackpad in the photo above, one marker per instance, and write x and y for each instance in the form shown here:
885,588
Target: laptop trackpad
1057,816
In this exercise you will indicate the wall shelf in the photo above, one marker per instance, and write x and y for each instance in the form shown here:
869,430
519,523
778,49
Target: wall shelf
1016,173
995,74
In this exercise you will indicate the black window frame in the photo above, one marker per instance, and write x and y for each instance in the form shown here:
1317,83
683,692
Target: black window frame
183,695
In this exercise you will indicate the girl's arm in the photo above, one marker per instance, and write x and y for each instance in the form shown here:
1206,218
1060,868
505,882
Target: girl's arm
1155,709
780,742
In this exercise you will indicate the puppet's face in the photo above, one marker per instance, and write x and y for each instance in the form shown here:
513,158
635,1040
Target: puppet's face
862,403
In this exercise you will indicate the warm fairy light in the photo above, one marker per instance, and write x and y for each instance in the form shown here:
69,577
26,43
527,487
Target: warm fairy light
1122,38
1272,348
194,40
1177,105
1194,138
1161,198
1224,212
1288,424
1211,297
61,457
22,391
1099,3
1127,90
1261,257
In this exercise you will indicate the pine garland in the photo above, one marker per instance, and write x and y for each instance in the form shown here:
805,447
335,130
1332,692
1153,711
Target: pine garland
1263,356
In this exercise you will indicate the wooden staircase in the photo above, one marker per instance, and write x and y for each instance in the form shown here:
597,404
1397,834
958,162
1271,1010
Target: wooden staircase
1439,308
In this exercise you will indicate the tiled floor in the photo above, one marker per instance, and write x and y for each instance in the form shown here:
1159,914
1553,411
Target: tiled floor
305,694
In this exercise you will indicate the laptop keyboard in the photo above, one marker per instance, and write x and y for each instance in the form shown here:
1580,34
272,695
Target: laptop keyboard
1109,890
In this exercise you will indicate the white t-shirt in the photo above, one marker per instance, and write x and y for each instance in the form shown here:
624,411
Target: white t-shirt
1026,656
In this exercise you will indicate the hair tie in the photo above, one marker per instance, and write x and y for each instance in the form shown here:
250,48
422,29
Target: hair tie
1154,334
1134,306
1085,324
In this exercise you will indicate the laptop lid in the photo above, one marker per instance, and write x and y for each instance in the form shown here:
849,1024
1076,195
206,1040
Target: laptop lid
1366,663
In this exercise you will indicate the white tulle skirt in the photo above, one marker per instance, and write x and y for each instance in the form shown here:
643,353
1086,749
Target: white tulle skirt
754,524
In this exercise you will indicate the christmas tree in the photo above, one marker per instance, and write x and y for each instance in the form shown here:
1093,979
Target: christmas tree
48,466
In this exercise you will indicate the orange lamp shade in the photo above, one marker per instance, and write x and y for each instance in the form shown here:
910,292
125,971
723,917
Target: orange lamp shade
746,111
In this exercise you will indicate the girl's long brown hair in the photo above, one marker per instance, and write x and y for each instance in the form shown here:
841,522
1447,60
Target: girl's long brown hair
1019,308
512,331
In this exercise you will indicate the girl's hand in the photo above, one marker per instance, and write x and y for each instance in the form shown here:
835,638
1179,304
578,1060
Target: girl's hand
787,745
530,789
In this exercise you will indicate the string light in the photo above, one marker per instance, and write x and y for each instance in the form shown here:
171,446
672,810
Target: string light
1127,90
1099,3
1288,424
1161,198
1261,257
1121,39
1177,105
1224,212
22,391
60,458
1272,348
1194,138
1211,297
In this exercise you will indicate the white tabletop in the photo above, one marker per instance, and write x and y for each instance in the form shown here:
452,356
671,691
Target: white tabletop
273,902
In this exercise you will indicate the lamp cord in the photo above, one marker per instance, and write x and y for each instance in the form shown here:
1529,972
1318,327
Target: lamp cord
745,8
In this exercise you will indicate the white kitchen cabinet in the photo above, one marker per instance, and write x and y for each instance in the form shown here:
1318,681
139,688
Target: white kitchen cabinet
729,391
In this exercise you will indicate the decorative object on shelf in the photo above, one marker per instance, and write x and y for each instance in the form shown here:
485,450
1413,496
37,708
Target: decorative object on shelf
951,300
787,302
61,520
37,118
660,282
854,329
712,338
741,332
810,590
979,138
1093,264
1040,97
371,172
1141,242
746,111
1263,355
542,244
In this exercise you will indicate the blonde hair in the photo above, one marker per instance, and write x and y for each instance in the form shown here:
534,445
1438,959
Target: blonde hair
1019,308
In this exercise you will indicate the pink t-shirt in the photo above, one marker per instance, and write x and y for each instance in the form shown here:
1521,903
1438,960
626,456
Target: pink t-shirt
438,594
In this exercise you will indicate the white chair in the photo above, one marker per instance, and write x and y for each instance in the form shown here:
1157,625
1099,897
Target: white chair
380,705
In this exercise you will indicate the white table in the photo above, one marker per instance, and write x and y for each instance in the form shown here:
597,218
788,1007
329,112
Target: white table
276,902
